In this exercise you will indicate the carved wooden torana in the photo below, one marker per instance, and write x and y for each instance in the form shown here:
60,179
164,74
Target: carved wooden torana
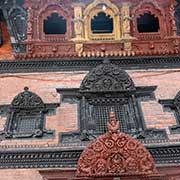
116,154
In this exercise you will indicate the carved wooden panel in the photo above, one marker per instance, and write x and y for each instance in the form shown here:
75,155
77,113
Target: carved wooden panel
107,78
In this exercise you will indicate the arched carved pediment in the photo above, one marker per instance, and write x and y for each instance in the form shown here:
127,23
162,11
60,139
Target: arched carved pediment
107,78
115,154
149,6
53,8
94,4
26,100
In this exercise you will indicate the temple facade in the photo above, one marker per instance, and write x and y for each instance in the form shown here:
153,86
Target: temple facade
90,89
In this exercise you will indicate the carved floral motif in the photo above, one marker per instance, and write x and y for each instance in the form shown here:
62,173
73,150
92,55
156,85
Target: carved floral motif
27,99
107,77
115,154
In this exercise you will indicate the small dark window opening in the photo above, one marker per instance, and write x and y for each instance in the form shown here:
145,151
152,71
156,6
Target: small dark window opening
55,24
147,23
102,24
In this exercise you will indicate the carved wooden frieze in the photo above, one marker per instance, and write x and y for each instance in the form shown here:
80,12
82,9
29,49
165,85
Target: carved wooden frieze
107,78
128,28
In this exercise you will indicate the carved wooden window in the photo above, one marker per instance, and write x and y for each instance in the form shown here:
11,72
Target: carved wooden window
55,24
98,109
147,23
102,23
108,88
27,116
173,105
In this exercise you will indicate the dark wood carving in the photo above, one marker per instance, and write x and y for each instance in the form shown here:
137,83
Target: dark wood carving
18,20
26,117
107,78
174,105
115,154
108,87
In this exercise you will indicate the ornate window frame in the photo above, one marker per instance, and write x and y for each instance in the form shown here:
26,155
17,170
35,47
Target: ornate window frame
111,87
112,10
173,105
44,13
153,9
26,116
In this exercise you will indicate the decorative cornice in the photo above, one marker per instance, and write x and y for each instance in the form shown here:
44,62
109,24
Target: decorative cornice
66,157
55,65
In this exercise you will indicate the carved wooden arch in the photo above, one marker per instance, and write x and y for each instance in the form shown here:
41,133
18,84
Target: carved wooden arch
154,9
112,10
46,11
115,154
94,4
107,78
27,99
27,116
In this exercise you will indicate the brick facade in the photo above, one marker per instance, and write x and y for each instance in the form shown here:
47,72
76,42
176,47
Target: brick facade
25,41
66,118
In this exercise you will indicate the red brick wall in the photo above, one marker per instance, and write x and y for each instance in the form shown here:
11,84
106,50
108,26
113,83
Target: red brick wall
20,175
45,84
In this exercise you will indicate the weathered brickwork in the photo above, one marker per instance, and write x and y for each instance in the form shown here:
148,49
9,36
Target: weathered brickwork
20,175
143,34
66,118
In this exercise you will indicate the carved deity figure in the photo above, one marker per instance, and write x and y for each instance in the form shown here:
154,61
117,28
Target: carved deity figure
113,125
126,20
79,27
